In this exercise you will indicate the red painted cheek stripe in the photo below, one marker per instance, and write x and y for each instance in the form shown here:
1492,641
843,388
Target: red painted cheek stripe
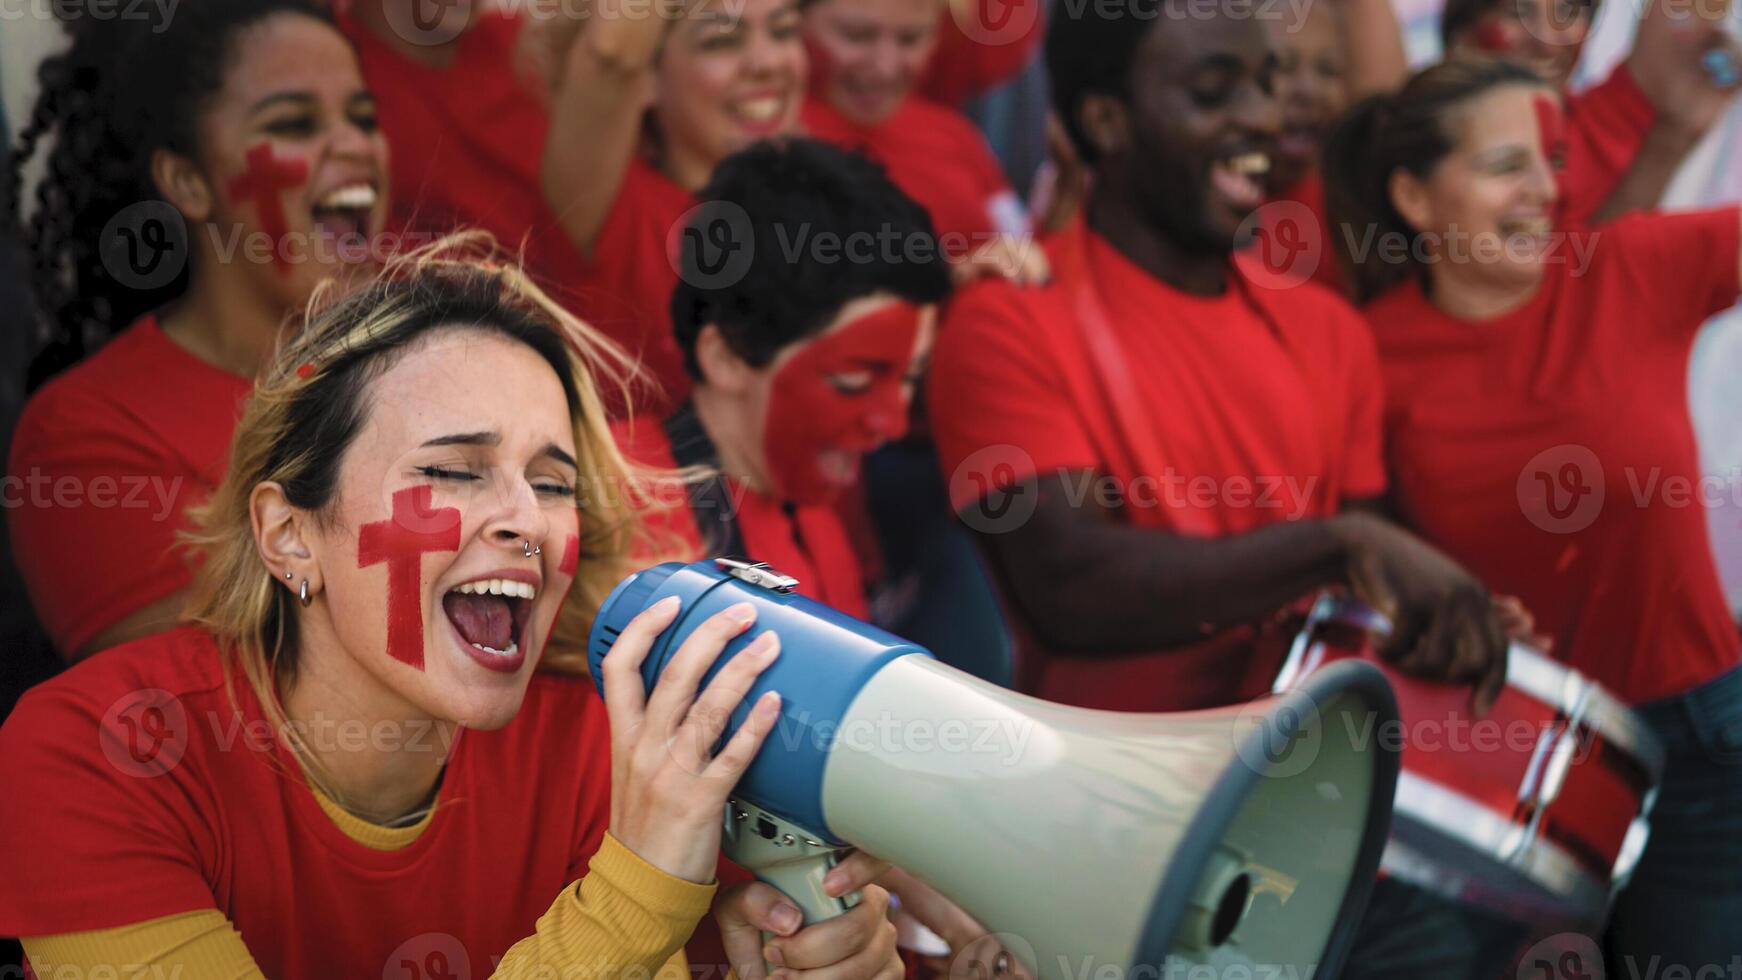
263,183
571,556
401,542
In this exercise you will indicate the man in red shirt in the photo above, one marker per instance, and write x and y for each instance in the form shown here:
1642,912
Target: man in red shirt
1627,135
803,355
1157,453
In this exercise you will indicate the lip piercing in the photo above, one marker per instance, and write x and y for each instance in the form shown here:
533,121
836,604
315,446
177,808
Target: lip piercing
529,549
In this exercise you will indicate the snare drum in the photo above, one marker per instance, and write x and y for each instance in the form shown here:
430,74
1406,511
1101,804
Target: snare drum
1537,811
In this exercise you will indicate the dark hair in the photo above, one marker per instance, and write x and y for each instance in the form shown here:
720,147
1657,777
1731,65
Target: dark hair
1459,16
778,195
1410,130
1091,54
125,88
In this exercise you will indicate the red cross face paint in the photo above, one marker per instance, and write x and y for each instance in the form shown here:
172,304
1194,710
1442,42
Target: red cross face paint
263,185
400,542
838,397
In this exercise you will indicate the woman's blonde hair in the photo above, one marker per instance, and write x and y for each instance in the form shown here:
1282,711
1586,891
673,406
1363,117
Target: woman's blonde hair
314,398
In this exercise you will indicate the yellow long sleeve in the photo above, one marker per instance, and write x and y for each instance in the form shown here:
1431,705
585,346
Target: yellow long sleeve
623,919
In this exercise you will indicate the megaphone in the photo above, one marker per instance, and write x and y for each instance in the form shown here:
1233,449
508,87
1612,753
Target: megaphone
1088,840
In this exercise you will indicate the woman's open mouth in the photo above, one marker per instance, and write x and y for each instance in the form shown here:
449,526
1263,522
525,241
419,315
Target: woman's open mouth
490,617
345,214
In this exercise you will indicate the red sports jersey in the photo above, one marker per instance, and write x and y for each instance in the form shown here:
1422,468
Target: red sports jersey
981,45
1550,450
629,276
1247,409
808,543
937,157
106,460
467,142
1606,127
151,793
1294,237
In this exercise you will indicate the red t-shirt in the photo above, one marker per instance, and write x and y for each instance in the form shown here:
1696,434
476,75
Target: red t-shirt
150,793
468,145
1294,237
937,157
808,543
106,460
629,275
1582,394
1606,126
980,48
1249,414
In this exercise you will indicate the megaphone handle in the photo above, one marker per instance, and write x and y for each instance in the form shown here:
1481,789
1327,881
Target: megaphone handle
787,856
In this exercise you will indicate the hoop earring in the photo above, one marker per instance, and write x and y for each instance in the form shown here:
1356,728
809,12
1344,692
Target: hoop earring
302,593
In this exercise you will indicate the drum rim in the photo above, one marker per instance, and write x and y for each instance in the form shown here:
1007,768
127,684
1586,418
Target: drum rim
1449,813
1564,687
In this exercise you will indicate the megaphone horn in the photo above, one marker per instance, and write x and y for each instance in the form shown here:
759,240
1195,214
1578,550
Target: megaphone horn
1243,836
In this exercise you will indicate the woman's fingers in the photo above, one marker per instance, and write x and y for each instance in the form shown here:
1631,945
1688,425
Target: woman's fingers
855,871
741,749
625,691
850,946
707,718
676,689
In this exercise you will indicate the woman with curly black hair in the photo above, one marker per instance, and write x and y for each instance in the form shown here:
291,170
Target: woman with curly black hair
203,175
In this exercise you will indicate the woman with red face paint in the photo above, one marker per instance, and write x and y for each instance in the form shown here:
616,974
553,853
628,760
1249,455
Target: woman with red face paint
1627,135
867,58
205,174
1527,369
374,747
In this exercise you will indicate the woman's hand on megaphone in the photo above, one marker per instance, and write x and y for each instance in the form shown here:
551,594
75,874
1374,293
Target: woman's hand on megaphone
1444,624
667,787
858,944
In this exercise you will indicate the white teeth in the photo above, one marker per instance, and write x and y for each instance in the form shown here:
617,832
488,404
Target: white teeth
513,648
1528,226
1250,164
759,110
356,196
498,586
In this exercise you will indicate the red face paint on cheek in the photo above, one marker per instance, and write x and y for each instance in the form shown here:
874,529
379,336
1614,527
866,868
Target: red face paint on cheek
816,433
400,542
263,185
571,556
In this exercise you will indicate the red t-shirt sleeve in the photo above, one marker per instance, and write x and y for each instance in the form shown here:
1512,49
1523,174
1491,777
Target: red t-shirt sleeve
1606,126
982,44
1684,265
93,838
94,514
998,405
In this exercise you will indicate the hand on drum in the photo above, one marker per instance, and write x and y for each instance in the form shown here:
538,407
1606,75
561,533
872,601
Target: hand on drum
1445,626
668,789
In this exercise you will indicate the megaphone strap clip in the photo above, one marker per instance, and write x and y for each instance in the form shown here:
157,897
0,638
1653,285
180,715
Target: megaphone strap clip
757,573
